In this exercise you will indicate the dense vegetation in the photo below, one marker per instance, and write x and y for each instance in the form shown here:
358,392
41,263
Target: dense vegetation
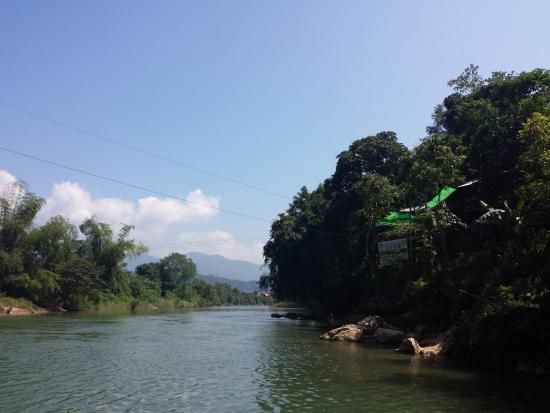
58,265
489,276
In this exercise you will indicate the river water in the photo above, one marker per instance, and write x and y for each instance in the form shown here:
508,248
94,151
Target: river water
230,359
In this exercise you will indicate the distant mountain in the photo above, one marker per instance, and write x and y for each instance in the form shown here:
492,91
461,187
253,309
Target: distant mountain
224,267
133,263
211,265
244,286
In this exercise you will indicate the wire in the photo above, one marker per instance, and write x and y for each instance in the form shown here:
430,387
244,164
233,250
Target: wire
140,150
145,189
210,242
142,188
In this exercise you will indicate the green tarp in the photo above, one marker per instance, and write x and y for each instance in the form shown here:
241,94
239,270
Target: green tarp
402,217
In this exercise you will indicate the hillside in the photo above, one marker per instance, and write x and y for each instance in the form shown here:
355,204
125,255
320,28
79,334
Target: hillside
214,269
243,286
224,267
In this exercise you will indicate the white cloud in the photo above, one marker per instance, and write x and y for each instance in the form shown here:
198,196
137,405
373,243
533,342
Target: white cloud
214,242
6,179
158,221
71,200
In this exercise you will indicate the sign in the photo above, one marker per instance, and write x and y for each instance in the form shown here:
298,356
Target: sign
393,252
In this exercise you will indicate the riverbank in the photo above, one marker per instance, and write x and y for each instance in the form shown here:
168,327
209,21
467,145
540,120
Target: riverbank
11,307
19,306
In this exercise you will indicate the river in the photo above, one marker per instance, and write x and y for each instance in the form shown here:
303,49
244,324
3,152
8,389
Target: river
230,359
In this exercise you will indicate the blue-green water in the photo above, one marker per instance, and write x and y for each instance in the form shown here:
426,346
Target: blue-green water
234,359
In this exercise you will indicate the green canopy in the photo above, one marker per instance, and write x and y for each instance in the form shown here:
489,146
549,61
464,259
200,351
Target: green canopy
408,215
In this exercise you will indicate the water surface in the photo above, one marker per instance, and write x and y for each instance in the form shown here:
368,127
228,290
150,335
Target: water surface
230,359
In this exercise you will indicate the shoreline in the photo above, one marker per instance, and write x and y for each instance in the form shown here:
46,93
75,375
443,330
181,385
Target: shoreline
29,309
22,311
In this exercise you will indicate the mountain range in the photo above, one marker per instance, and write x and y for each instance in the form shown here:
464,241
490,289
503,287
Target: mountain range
242,275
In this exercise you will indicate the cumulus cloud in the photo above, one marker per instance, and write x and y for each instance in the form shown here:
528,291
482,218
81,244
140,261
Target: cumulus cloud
6,179
215,242
71,200
158,221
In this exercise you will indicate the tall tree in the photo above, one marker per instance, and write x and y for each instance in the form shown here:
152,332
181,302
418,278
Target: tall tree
175,269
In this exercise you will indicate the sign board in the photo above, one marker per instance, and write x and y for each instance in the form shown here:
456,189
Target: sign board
393,252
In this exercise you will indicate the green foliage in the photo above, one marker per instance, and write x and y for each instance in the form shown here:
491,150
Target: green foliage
109,253
145,289
174,270
80,283
491,275
41,287
17,211
381,155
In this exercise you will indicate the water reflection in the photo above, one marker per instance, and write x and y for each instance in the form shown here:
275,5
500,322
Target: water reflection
228,359
300,372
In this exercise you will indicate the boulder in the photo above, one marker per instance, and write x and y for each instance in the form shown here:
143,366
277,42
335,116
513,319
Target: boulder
19,311
389,336
409,346
348,332
432,351
370,324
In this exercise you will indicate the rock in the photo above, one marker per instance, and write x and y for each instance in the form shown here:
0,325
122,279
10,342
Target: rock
348,332
432,351
19,311
409,346
389,335
295,316
370,324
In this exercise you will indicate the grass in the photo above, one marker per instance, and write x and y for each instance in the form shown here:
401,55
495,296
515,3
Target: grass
17,302
110,304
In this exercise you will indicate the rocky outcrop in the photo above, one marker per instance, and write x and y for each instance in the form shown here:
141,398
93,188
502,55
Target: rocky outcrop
370,324
411,346
371,328
348,332
15,311
295,316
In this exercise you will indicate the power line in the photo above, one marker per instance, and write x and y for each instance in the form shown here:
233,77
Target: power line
142,188
145,189
203,243
140,150
210,241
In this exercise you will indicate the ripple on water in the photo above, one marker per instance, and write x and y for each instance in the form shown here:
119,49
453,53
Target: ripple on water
228,360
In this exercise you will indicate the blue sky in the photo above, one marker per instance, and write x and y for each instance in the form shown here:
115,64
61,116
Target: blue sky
263,92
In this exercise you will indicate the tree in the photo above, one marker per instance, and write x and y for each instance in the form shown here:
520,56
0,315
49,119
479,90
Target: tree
487,119
534,162
175,269
437,162
18,208
79,283
381,155
50,244
467,81
149,271
108,253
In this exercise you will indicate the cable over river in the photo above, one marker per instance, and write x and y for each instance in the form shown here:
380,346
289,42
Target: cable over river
230,359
